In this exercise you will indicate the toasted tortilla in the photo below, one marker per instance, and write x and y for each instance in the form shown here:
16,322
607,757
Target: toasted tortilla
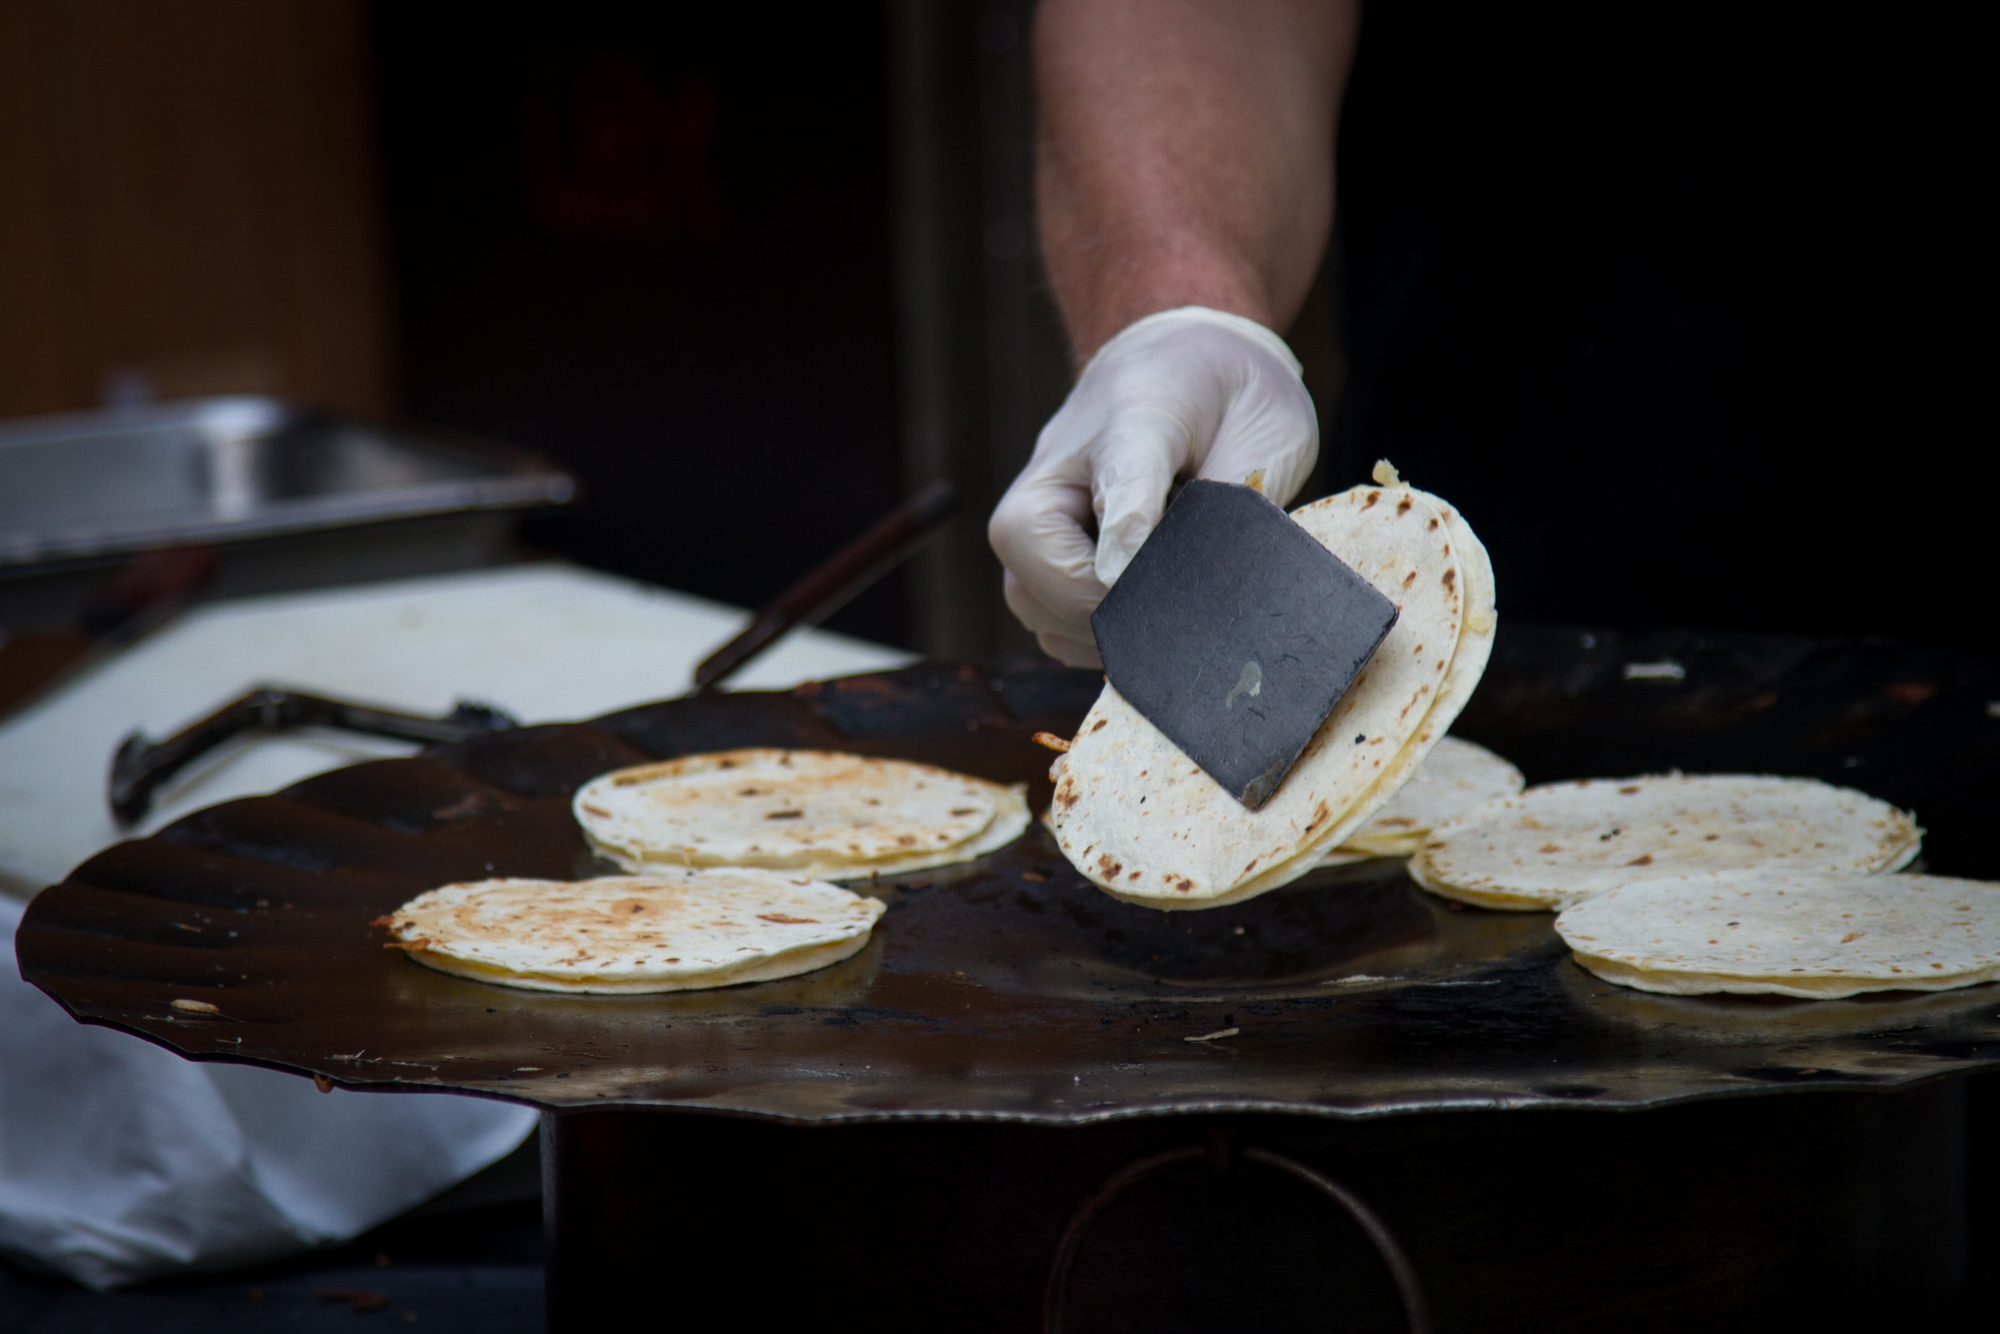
1456,776
1790,933
1558,844
677,931
824,813
1144,823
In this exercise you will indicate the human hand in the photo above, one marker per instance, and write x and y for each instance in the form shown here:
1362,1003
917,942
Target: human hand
1184,394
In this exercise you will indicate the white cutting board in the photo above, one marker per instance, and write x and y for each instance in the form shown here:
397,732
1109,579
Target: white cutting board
546,642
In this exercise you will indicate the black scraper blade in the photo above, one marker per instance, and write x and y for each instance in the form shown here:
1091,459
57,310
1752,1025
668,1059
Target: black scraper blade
1235,633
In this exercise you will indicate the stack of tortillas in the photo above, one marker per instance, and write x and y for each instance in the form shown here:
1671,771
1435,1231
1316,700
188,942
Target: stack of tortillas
1560,843
822,814
1790,933
1453,779
672,932
1143,822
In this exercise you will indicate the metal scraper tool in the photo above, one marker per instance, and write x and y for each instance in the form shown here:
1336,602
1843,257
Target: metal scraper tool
1235,633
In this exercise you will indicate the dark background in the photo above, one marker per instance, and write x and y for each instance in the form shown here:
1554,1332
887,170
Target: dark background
1680,305
654,242
1672,301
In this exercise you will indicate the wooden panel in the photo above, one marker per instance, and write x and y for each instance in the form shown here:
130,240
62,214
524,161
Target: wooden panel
191,202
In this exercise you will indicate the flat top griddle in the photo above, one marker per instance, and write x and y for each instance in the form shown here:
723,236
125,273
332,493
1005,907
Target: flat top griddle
1011,988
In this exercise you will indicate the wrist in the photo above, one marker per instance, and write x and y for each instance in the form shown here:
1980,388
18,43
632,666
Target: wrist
1097,306
1152,325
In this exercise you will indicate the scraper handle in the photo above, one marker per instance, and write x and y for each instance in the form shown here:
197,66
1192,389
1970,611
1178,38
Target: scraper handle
892,540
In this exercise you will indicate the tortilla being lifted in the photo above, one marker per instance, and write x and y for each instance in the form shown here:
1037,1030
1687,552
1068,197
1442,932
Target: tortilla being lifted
1143,822
1790,934
672,932
1560,843
824,814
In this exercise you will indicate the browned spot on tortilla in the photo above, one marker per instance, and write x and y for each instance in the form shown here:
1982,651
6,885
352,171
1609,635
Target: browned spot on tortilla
1100,724
1065,796
1403,820
783,920
784,815
1403,505
1549,847
1628,791
1253,861
1432,524
1451,578
1134,876
600,814
1184,885
906,840
1643,859
1110,866
1409,578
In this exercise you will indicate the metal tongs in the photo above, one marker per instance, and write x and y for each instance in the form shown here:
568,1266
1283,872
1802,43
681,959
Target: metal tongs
141,767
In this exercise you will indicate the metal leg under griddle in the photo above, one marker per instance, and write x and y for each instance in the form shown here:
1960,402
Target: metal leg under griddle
1219,1152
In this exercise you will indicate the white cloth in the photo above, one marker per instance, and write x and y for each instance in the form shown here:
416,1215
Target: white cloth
119,1161
1188,393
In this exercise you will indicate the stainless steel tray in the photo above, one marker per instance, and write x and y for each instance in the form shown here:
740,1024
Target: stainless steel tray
99,484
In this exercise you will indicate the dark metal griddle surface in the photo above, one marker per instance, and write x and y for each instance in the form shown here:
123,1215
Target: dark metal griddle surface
1011,988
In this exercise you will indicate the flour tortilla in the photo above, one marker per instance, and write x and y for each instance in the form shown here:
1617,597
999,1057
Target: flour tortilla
1790,933
1468,664
1558,844
1456,776
1009,823
1139,819
672,932
827,814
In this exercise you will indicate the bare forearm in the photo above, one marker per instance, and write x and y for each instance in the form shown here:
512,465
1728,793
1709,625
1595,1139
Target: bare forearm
1185,154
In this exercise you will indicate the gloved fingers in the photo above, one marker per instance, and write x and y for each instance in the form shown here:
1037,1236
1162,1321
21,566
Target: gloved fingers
1062,638
1270,429
1136,458
1038,532
1070,652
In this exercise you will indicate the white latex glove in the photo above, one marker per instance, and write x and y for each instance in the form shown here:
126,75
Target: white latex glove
1179,395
